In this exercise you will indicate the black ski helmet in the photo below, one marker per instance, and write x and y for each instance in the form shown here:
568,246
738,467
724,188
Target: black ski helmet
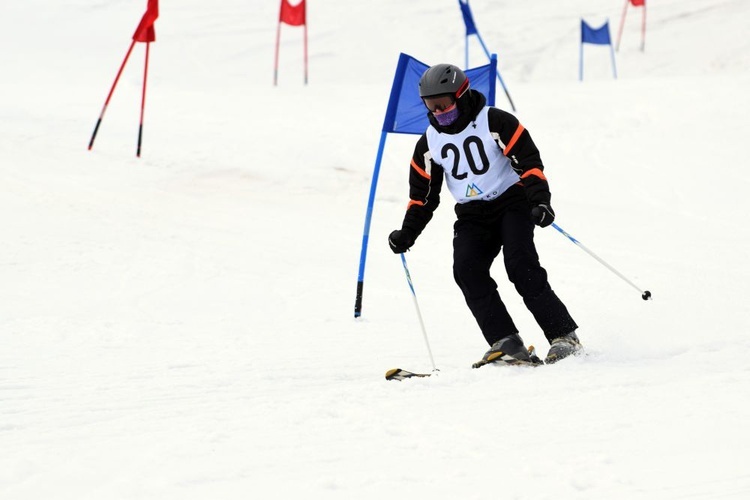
443,79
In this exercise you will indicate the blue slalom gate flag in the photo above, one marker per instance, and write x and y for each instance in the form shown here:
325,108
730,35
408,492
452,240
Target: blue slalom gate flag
407,114
596,36
471,28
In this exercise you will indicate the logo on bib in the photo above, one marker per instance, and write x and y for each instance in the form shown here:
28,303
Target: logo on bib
472,190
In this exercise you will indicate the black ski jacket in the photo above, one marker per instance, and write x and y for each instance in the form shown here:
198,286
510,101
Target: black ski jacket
425,181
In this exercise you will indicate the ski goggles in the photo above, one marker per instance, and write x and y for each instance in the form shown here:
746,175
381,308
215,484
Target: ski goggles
439,103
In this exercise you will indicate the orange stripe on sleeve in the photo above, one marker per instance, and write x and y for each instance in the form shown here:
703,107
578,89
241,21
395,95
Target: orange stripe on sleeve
535,172
513,139
414,202
419,170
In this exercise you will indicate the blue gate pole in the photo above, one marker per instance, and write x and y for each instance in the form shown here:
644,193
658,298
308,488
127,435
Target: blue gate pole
507,94
368,219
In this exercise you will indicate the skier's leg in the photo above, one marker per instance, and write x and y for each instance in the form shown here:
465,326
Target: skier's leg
530,278
474,250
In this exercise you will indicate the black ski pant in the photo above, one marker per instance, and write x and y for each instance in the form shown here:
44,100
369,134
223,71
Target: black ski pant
481,231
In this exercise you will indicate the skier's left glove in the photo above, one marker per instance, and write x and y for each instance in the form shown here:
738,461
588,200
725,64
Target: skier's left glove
542,215
401,240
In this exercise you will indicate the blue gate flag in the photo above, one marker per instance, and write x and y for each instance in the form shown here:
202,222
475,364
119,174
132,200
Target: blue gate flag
596,36
471,28
406,113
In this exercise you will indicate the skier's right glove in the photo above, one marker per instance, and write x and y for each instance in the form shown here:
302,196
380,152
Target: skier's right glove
401,240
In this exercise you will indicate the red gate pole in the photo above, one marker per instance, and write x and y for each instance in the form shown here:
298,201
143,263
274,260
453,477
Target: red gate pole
143,101
622,23
276,58
305,51
643,29
111,91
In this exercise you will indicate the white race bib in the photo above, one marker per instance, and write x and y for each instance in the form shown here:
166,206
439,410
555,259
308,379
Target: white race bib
474,164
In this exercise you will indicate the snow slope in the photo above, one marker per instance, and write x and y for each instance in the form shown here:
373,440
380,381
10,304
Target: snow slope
180,326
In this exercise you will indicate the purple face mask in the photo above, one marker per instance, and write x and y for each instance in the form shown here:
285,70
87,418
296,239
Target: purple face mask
447,118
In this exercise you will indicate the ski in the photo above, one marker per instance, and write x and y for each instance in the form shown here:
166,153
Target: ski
500,358
399,374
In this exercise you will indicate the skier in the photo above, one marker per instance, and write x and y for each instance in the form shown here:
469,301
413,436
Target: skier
495,173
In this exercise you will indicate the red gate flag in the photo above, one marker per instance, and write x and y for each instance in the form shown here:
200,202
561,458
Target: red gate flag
145,30
638,3
143,33
293,15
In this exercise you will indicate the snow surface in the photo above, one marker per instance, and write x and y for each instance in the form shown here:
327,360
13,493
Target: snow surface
180,326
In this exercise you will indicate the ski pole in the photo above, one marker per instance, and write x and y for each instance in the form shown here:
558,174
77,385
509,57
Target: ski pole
419,314
645,294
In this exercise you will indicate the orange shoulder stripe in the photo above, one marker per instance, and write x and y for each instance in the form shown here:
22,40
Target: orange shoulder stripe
513,139
535,172
420,171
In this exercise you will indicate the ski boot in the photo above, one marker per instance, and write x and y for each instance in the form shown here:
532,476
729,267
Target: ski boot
510,351
562,347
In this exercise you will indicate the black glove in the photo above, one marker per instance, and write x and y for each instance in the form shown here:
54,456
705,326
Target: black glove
542,215
401,240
